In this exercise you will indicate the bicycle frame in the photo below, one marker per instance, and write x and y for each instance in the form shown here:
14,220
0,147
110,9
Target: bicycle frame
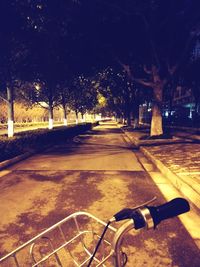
146,216
115,244
114,251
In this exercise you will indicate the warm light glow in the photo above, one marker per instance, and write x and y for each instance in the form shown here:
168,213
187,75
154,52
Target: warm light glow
37,87
65,122
43,104
102,100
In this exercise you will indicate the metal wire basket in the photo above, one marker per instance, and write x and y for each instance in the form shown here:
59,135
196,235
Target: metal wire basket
68,243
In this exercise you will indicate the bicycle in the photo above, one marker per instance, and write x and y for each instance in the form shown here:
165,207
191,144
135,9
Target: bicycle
77,248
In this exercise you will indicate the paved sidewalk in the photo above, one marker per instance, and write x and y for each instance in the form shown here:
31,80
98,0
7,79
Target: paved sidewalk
178,159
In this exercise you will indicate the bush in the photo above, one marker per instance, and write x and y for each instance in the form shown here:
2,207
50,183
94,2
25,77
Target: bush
35,140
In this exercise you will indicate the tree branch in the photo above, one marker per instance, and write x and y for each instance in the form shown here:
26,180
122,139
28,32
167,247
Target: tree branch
130,75
174,68
125,67
42,105
153,46
4,99
146,70
143,82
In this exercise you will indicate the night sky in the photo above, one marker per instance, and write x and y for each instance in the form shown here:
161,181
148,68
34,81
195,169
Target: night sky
40,38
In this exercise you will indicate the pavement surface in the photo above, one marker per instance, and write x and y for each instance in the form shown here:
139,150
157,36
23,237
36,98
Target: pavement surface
178,159
100,173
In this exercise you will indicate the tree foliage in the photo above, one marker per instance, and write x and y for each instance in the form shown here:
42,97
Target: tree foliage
83,97
53,42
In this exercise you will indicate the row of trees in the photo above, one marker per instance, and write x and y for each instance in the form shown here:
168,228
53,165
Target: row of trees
158,56
80,96
166,53
31,105
23,114
132,50
34,61
124,96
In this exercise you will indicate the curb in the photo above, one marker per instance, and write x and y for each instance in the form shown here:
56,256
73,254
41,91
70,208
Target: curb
192,137
183,187
139,143
16,159
177,127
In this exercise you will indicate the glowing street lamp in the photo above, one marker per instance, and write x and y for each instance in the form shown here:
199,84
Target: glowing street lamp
37,87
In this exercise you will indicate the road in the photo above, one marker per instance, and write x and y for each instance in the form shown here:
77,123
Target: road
189,134
98,172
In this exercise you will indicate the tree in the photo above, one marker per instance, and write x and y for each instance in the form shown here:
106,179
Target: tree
192,80
46,52
115,88
122,95
168,32
83,97
12,53
3,111
64,98
150,40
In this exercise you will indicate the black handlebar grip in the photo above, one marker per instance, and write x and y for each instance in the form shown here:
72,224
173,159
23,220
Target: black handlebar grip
168,210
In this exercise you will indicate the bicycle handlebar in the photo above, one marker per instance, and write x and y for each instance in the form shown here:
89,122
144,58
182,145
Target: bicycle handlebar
151,216
145,216
168,210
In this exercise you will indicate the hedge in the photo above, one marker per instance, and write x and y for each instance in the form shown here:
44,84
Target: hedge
35,140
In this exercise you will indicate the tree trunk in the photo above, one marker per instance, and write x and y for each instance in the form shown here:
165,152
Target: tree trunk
50,115
127,110
171,94
76,117
128,117
65,115
156,121
136,114
196,96
83,117
10,111
128,114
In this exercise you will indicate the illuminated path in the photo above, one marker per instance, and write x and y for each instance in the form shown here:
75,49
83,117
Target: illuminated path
99,173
